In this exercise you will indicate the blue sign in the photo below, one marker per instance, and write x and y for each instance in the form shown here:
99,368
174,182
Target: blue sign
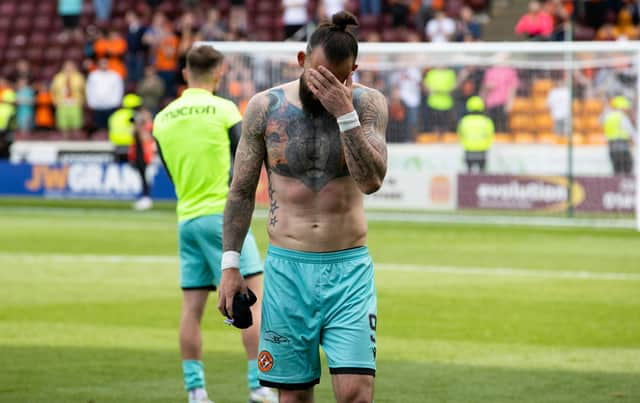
83,181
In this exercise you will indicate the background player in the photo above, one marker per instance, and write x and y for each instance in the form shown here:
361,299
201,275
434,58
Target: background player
323,141
194,134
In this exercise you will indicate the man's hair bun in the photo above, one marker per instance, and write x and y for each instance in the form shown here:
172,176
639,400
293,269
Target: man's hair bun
343,20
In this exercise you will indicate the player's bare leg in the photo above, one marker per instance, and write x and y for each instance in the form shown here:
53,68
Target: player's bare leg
193,305
296,396
251,339
353,388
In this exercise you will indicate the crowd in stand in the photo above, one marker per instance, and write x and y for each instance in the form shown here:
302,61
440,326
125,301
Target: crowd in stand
147,55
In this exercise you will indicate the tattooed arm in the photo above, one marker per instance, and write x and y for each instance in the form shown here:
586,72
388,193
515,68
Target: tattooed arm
365,146
242,195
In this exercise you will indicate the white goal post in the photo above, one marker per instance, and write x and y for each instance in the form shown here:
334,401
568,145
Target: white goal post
529,57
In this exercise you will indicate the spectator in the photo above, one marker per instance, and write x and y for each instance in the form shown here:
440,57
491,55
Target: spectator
439,84
558,102
103,11
69,11
151,89
44,107
295,18
7,122
92,35
441,28
188,33
619,80
4,85
469,30
104,92
425,13
407,81
607,32
400,13
536,23
560,16
113,48
22,70
153,35
166,59
499,88
25,101
625,26
134,58
213,28
397,126
67,90
370,7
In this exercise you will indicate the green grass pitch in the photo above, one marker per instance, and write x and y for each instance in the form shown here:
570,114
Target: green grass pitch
89,310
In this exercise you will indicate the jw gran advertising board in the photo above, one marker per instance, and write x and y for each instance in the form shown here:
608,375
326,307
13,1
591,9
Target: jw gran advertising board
546,193
82,181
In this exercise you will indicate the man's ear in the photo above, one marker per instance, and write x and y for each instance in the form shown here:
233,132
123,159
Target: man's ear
355,67
301,58
185,75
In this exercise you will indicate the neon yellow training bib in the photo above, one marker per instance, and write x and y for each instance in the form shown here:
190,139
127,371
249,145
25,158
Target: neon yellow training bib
192,132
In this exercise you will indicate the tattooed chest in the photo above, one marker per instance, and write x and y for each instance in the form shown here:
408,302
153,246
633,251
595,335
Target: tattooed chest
305,148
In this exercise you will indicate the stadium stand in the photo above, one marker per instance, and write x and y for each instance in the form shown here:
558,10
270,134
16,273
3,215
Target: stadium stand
30,32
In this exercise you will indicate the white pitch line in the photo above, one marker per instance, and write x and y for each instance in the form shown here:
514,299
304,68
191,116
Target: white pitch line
455,270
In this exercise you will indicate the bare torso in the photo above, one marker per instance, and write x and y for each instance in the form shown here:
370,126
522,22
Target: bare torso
315,205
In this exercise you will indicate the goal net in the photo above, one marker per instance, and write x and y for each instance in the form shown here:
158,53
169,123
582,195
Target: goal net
556,151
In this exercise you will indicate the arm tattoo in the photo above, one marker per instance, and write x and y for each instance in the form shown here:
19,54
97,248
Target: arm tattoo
365,147
249,159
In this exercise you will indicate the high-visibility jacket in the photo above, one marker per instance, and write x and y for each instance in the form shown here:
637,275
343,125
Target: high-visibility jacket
122,127
7,111
614,129
476,132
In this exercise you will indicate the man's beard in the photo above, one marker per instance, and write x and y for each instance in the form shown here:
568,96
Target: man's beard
309,102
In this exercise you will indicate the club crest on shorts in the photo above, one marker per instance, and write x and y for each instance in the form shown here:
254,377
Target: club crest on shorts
265,361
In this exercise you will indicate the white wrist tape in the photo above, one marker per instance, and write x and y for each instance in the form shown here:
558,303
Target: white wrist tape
230,259
348,121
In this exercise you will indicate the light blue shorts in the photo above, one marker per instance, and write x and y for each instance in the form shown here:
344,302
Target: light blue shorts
311,300
200,248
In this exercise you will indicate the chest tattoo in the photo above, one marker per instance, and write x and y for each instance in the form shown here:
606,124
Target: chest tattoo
302,146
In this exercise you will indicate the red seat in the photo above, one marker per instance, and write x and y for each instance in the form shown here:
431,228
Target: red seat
34,55
38,40
7,9
12,55
22,25
53,55
42,23
27,8
5,25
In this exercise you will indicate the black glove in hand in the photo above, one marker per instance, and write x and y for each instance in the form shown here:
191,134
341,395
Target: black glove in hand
242,318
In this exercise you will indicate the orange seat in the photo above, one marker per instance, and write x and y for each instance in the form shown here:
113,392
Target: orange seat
502,138
578,107
542,86
523,138
521,122
427,138
593,107
592,123
547,138
521,105
596,138
450,138
540,105
579,123
543,122
579,139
